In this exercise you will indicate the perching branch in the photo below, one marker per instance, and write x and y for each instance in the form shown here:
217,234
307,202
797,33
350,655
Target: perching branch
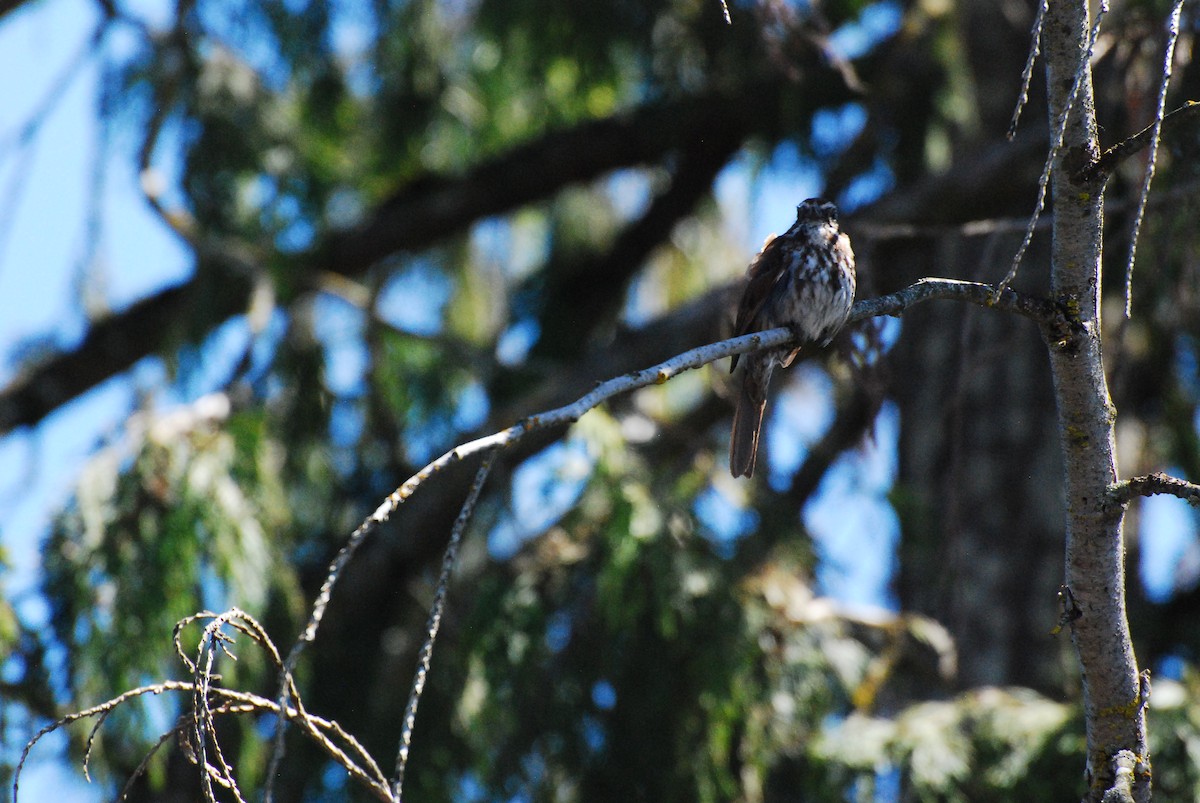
210,700
1041,310
1121,493
1038,309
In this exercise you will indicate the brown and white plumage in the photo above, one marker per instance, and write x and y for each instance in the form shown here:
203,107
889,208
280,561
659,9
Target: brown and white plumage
804,280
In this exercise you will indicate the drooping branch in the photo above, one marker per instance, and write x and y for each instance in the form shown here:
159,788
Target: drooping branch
1040,310
1035,47
1121,493
1152,158
435,621
1058,134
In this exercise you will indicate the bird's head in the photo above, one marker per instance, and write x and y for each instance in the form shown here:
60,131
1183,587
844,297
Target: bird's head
817,212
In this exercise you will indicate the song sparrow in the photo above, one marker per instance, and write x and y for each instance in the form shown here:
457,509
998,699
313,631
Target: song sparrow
803,280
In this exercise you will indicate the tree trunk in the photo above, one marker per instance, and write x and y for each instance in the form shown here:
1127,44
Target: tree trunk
979,488
1095,572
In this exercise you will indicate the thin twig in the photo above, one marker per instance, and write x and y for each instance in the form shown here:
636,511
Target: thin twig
95,710
1152,158
435,620
1060,130
211,701
1113,156
1035,47
180,727
203,728
91,740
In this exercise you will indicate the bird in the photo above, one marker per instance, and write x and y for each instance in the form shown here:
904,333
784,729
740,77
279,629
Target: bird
804,280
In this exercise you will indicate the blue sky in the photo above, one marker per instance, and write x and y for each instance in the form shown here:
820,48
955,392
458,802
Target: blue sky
44,255
45,183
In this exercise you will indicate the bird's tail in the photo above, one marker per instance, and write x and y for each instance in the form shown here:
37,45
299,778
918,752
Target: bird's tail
743,441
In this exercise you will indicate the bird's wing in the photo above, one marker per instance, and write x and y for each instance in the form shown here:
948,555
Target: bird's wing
763,275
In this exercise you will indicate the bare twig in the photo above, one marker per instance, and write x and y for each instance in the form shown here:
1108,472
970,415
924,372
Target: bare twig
435,621
180,727
1059,130
1035,47
202,726
1113,156
210,701
1123,492
1152,159
1036,308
